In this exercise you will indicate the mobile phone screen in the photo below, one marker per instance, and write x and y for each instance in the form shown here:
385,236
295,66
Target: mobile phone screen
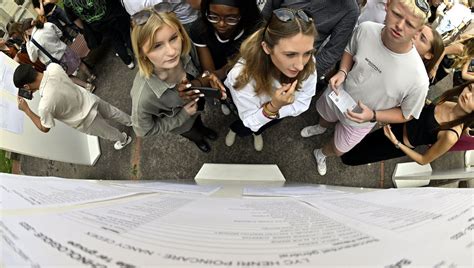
25,93
209,92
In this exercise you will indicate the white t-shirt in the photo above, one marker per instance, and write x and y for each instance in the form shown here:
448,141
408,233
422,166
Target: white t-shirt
63,100
374,10
249,104
381,78
183,10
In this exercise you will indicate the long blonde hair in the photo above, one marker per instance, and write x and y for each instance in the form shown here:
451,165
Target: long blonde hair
147,32
467,53
259,66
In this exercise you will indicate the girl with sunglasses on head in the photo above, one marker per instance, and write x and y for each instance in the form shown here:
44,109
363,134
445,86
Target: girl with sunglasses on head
223,27
160,100
439,124
274,75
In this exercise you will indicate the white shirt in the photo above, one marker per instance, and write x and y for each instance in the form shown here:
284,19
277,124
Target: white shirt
249,104
183,10
63,100
49,38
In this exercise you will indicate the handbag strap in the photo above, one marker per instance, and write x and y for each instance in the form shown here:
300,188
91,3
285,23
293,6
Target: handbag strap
53,59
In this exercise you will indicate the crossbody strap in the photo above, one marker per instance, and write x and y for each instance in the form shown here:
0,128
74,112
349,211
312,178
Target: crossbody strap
53,59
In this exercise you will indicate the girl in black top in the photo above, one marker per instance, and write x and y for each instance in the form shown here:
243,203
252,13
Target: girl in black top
223,26
439,125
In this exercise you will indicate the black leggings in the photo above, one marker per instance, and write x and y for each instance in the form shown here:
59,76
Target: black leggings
197,131
241,130
375,147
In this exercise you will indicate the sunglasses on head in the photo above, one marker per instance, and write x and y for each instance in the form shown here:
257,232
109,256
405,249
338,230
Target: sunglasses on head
423,6
286,14
142,17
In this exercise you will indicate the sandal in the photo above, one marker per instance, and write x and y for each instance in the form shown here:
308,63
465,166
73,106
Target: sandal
90,87
91,78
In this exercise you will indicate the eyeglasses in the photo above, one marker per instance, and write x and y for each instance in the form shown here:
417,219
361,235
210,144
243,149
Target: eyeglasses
286,14
423,5
229,20
142,17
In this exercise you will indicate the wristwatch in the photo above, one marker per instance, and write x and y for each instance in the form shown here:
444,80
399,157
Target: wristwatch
397,145
374,117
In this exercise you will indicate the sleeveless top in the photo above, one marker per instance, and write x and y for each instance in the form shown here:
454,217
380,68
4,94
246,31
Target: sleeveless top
424,130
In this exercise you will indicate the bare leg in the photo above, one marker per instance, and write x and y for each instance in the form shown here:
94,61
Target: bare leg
78,81
329,149
83,68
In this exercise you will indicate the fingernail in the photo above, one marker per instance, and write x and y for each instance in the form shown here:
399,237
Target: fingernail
197,91
201,95
196,99
188,85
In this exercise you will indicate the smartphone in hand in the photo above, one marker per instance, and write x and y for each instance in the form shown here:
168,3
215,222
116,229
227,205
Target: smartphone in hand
25,93
208,92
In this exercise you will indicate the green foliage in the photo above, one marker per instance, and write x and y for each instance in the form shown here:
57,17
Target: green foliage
5,163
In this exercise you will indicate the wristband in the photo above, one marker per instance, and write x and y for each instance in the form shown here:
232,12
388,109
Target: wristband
397,145
344,72
269,114
374,117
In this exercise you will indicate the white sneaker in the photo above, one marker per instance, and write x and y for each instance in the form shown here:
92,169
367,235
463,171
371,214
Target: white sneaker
225,110
131,66
119,145
258,142
320,161
312,130
230,138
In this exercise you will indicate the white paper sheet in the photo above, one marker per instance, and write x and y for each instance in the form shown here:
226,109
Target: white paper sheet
11,118
169,187
6,76
344,101
289,191
19,192
173,230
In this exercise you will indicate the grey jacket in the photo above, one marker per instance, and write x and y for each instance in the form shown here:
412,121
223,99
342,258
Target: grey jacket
334,19
158,109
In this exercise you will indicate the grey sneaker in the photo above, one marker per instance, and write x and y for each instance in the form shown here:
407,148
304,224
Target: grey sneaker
312,130
258,142
320,161
230,138
119,145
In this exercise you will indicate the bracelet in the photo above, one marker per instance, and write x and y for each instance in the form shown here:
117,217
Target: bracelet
271,104
374,117
267,111
343,71
268,114
397,145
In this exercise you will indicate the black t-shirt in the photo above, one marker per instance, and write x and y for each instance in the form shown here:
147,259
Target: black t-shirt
46,7
221,50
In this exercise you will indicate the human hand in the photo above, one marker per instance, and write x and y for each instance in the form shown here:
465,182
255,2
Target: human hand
284,95
365,115
214,82
191,107
22,104
387,130
336,81
185,93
